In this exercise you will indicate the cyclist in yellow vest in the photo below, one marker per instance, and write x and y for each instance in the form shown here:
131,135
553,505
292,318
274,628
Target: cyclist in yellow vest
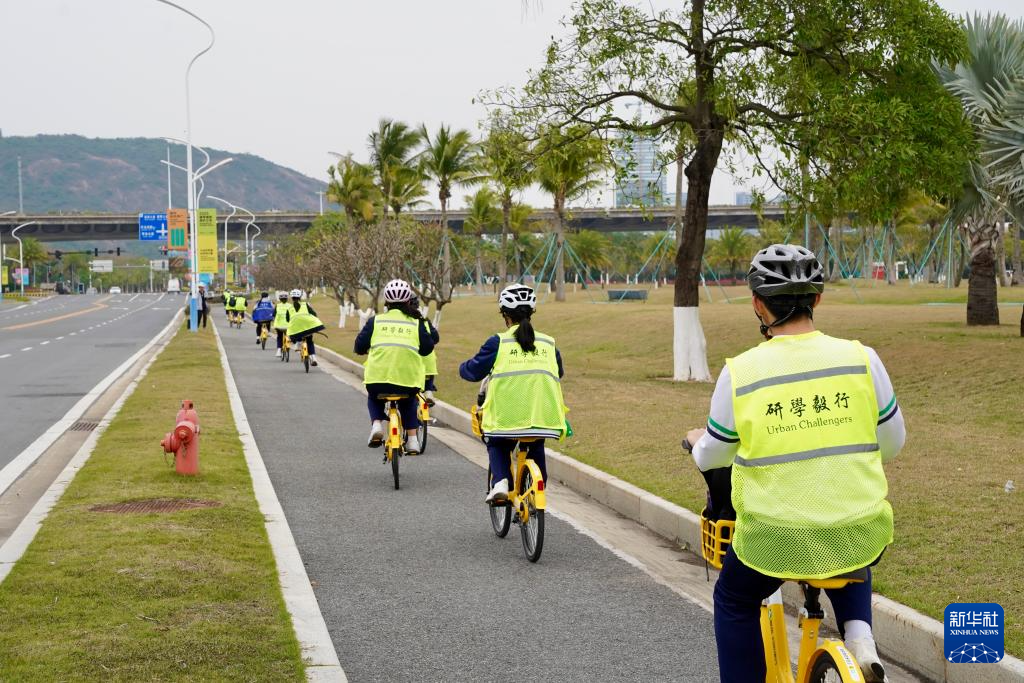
430,365
524,392
238,304
303,323
397,341
805,421
281,318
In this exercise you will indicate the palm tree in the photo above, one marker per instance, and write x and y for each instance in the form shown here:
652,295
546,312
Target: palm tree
483,215
522,240
990,84
506,158
391,146
731,247
407,188
352,187
592,249
568,166
450,159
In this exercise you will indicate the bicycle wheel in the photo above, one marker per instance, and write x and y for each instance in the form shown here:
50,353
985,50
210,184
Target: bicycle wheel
825,670
421,432
396,455
263,340
533,530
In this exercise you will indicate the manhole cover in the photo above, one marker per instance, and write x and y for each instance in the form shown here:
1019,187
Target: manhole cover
156,505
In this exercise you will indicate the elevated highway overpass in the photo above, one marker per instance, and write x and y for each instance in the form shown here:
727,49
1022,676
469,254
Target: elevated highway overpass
98,226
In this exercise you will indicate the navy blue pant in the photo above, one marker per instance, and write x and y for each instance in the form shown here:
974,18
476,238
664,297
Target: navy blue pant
429,385
499,451
738,595
408,407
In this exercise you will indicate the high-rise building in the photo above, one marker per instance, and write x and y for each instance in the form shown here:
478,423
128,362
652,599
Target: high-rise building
645,181
744,198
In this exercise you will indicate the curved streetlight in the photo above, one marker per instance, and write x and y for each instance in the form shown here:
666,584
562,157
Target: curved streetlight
21,255
252,252
193,256
5,213
234,210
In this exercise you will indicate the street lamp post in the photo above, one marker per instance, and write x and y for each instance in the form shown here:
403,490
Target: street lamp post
234,210
320,193
193,256
21,255
252,253
5,213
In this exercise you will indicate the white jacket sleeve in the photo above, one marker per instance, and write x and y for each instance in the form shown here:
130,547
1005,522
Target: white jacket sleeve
718,446
891,431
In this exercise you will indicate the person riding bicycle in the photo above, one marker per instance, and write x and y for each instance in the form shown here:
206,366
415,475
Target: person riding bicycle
238,305
281,318
429,362
524,393
262,314
805,422
303,324
397,341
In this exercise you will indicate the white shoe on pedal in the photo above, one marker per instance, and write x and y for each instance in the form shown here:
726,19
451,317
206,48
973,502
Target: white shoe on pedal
278,353
412,444
377,430
499,492
428,397
864,651
312,360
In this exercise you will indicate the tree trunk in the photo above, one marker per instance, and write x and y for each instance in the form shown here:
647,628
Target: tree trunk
1018,276
689,347
1001,275
982,306
835,236
958,265
479,264
891,276
679,200
559,250
506,226
446,255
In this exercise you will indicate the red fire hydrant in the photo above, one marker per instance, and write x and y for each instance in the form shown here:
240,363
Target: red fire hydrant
184,440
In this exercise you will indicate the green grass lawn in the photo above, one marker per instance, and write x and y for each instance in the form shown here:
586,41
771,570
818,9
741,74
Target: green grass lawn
188,595
958,534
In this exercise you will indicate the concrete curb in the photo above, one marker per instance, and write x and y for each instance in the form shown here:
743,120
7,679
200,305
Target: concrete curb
318,651
18,542
903,634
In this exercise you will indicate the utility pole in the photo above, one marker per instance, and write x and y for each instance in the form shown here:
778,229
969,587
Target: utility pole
169,204
21,204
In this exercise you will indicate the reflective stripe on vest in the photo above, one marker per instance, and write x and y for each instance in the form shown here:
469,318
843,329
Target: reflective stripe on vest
394,351
808,485
524,392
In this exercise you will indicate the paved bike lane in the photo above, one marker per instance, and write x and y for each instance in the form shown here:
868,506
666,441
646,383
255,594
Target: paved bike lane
414,585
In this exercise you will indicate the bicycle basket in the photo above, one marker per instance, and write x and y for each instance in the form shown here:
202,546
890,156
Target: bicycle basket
715,537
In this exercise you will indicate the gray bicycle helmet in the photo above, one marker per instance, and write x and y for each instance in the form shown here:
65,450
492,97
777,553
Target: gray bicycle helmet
785,269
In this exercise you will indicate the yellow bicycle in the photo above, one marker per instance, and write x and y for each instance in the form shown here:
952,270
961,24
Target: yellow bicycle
264,333
825,661
235,318
286,349
425,421
394,441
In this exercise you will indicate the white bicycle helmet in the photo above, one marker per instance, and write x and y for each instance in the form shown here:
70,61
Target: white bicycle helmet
296,294
397,292
517,295
783,269
281,294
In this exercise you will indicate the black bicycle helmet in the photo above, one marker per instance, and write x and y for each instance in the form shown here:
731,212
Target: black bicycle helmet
785,269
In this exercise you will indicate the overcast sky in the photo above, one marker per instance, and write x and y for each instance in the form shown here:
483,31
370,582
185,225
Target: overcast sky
287,81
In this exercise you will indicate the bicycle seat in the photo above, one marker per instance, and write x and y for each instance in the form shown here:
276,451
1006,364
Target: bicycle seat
391,397
856,576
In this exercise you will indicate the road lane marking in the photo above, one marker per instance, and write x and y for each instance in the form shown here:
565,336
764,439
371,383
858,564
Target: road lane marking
59,338
6,355
27,348
44,343
99,305
134,298
16,467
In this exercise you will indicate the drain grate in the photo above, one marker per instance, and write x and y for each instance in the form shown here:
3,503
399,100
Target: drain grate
156,505
84,426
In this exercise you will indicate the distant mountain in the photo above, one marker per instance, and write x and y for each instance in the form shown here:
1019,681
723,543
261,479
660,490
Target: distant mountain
74,173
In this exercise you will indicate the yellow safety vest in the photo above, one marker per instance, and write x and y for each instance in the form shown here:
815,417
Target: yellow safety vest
524,394
281,315
430,361
395,351
303,323
807,482
240,303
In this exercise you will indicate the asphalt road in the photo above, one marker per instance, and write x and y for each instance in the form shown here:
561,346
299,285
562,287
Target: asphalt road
414,585
54,351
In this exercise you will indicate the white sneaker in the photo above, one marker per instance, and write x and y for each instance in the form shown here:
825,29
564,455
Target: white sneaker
377,431
278,353
312,360
499,493
864,651
428,397
412,443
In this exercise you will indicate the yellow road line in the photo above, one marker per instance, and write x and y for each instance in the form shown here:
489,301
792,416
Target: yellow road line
95,307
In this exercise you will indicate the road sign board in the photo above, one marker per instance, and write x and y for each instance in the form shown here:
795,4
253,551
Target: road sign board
153,227
158,264
177,230
206,240
102,266
21,276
